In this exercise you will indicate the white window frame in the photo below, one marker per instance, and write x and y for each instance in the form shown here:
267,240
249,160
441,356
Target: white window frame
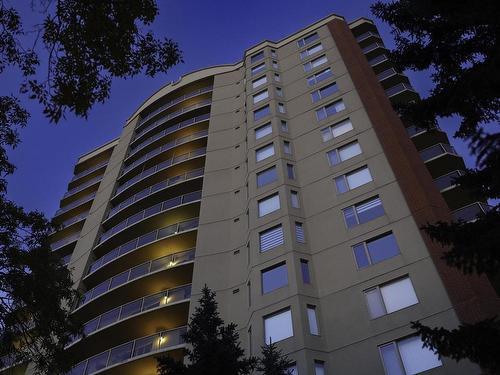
332,131
313,64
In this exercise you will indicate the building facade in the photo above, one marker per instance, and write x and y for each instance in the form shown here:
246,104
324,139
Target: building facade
288,185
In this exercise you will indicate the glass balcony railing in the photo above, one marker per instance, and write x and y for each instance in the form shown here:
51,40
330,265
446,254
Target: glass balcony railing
154,188
174,102
437,150
163,263
64,241
161,166
172,115
399,88
158,342
171,129
377,60
471,212
76,203
448,180
413,130
83,186
161,299
151,211
167,146
386,74
372,47
89,170
367,35
74,219
66,259
143,240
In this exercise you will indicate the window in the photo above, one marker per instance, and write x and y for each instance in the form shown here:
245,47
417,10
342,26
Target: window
336,130
263,130
294,198
299,232
312,319
275,64
293,370
319,367
278,326
353,179
287,147
267,176
274,278
264,152
343,153
304,270
269,204
271,238
281,108
279,91
311,51
324,92
329,110
318,77
390,297
290,171
259,82
363,212
315,63
257,57
308,39
375,250
258,68
273,53
261,113
284,126
260,96
407,357
277,77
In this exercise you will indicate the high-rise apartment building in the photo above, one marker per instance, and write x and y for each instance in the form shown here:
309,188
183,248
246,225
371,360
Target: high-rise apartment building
287,184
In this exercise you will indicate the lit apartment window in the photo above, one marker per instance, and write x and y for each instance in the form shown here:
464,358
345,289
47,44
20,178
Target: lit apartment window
324,92
261,113
279,91
390,297
375,250
294,199
274,277
320,76
271,238
407,356
260,96
273,53
312,319
269,204
336,130
329,110
263,130
264,152
267,176
315,63
308,39
311,51
259,82
343,153
277,77
290,171
353,179
299,232
287,147
281,108
284,126
258,68
278,326
319,367
257,57
363,212
275,64
304,270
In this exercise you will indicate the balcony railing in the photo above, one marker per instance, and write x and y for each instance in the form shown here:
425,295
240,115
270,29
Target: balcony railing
377,60
448,180
83,186
89,170
145,239
125,352
160,166
7,361
66,259
154,188
436,150
143,269
169,130
76,203
366,35
174,102
172,115
386,74
413,130
167,146
151,211
64,241
372,47
399,88
74,219
164,298
471,212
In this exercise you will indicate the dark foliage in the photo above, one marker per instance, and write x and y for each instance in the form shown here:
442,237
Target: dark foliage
273,361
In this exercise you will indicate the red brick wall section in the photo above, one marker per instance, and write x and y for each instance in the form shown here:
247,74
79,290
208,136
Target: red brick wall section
472,297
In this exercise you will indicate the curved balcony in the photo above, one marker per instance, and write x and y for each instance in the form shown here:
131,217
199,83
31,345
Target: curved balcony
83,186
133,351
90,170
87,198
64,242
73,220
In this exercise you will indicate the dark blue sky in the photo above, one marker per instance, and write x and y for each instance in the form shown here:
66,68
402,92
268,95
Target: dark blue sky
209,33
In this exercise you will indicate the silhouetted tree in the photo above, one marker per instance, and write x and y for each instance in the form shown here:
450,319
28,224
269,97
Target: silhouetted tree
273,361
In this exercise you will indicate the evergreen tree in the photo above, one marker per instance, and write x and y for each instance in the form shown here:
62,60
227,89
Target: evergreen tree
273,361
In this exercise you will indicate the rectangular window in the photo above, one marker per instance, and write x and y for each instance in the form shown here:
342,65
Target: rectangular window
318,77
336,130
284,126
278,326
294,198
281,108
287,147
275,64
329,110
269,204
264,152
259,82
312,319
261,113
407,357
258,68
273,53
260,96
274,278
390,297
299,232
324,92
290,171
311,51
304,270
279,91
308,39
267,176
375,250
343,153
271,238
363,212
263,130
293,370
315,63
353,179
319,367
277,77
257,57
